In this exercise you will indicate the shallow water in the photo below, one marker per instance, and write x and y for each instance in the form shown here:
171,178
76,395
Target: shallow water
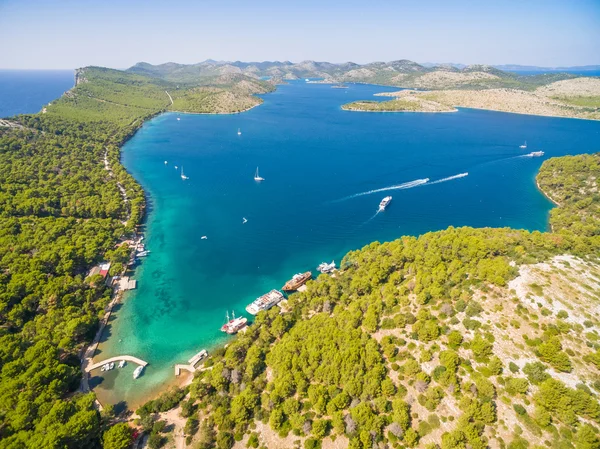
315,159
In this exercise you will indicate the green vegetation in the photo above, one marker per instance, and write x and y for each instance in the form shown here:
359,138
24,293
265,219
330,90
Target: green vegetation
573,183
61,211
398,105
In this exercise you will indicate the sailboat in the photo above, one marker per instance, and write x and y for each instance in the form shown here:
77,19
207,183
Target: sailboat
257,177
239,132
182,175
523,146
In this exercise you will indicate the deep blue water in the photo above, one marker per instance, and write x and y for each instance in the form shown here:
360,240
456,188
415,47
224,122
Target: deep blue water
312,155
27,91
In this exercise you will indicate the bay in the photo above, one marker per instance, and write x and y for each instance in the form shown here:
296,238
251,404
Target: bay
315,159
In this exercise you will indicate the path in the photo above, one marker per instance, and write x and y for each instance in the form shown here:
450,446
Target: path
169,96
118,358
87,355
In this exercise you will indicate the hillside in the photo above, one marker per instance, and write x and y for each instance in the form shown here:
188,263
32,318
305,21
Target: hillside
459,338
402,73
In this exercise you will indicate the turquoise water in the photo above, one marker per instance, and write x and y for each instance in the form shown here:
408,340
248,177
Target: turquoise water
313,156
27,91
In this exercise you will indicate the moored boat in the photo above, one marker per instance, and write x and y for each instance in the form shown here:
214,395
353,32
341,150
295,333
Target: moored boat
523,146
265,302
233,325
257,177
384,203
138,372
325,267
122,363
297,281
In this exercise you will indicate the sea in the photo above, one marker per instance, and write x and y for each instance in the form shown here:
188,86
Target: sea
325,171
220,239
27,91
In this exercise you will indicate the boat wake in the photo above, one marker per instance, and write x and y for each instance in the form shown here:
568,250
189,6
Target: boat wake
449,178
406,185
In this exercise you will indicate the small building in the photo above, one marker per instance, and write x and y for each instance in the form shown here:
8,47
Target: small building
101,269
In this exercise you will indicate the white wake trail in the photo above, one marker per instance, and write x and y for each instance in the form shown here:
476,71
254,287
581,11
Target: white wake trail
449,178
406,185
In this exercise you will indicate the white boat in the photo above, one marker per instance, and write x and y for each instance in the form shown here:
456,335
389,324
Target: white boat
142,254
244,220
257,177
523,146
265,302
176,167
384,203
122,363
182,175
536,154
178,118
104,367
325,267
239,132
203,237
306,80
138,372
166,162
111,366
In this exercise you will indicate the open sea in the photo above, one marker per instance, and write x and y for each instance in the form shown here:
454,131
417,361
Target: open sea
325,170
27,91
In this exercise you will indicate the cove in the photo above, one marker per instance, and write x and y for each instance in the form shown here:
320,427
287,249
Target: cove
319,165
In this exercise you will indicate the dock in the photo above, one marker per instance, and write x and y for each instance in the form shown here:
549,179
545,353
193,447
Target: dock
199,356
128,358
180,367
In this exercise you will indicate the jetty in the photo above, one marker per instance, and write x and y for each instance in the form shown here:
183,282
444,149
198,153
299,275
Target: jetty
191,366
128,358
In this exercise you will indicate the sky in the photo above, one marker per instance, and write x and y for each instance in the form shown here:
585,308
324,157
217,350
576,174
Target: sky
66,34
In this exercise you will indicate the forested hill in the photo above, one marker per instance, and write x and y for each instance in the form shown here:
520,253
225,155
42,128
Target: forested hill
573,182
62,210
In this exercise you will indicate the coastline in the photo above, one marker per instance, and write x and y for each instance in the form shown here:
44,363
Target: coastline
117,296
212,113
395,112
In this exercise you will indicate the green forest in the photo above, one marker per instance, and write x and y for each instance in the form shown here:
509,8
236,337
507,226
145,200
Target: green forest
61,211
418,342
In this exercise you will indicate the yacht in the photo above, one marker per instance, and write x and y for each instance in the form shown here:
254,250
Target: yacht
233,325
325,267
523,146
142,254
111,366
178,119
104,367
176,167
182,175
122,363
536,154
203,237
384,203
239,132
257,177
244,220
138,372
166,162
